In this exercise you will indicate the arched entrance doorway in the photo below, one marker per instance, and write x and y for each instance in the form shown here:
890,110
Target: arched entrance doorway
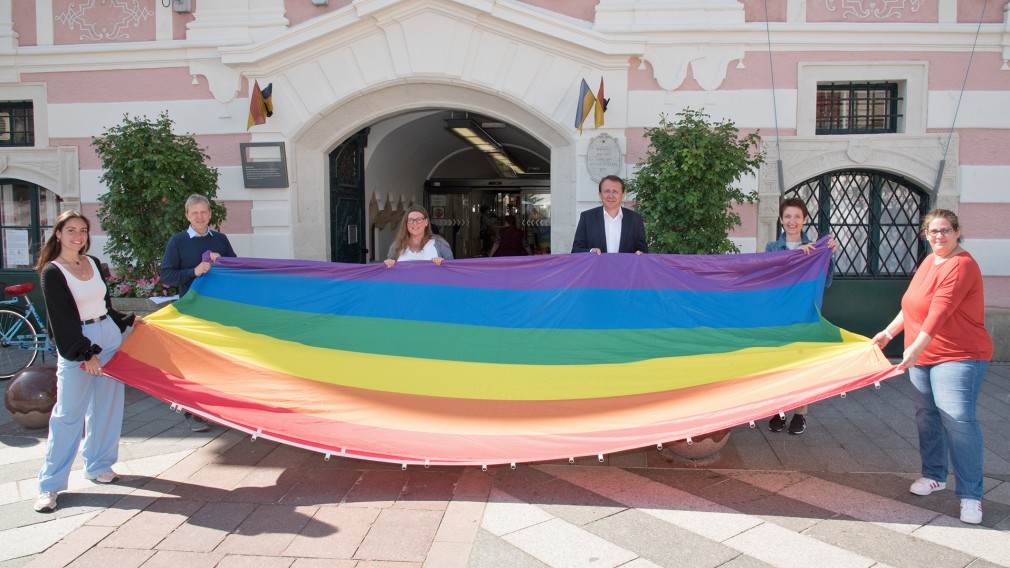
875,218
472,171
408,144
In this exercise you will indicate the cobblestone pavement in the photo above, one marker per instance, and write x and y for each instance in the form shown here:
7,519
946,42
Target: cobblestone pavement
836,495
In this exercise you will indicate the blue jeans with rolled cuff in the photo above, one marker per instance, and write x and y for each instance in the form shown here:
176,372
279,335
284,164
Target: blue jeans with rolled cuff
945,398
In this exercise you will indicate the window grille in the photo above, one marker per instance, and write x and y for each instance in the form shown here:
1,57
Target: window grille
17,123
858,108
875,218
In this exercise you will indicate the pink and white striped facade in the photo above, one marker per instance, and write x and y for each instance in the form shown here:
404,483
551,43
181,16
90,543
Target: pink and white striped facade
350,64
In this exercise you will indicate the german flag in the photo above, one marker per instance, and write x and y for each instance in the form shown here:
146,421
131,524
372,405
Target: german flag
261,105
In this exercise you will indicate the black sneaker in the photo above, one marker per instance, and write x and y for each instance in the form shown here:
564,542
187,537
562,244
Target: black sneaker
798,424
777,423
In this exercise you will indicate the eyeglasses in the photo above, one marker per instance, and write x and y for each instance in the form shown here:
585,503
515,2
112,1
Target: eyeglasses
933,233
415,220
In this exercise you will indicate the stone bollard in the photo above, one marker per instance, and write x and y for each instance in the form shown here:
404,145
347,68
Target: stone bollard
31,395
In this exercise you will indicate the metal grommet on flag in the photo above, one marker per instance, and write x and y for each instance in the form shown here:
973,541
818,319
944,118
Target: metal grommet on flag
326,457
571,461
256,434
782,415
512,465
689,441
599,457
659,447
842,395
427,464
751,424
175,407
483,467
403,467
876,385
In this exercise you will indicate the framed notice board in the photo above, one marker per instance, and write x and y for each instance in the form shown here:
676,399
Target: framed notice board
264,164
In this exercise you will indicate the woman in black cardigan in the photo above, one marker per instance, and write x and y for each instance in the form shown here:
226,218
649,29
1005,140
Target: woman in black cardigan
86,330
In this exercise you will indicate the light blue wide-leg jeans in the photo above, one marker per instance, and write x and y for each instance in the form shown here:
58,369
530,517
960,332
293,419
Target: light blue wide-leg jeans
945,400
85,403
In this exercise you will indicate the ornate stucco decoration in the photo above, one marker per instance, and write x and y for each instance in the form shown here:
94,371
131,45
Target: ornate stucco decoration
873,9
119,16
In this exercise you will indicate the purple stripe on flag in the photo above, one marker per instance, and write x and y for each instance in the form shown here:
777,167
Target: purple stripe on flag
717,273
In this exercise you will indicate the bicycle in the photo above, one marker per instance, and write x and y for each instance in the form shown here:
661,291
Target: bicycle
19,342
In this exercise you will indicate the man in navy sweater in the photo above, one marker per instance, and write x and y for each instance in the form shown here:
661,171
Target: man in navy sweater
183,260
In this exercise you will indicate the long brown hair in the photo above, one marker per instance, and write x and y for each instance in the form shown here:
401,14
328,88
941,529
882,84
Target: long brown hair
402,236
52,247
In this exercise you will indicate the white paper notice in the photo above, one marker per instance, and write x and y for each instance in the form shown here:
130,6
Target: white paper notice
16,249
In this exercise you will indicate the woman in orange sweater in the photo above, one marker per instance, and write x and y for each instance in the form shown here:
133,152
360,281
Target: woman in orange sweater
947,352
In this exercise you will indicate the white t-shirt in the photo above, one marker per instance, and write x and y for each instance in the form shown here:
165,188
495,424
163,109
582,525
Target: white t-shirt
428,252
88,294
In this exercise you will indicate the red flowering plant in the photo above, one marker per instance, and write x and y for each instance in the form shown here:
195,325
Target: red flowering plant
131,285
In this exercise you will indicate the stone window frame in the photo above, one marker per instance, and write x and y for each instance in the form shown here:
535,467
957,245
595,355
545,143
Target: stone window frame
911,77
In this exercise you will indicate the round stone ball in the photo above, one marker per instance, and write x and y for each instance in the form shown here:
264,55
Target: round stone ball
31,396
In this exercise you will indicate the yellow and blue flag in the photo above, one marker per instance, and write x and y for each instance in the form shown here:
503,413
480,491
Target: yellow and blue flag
586,102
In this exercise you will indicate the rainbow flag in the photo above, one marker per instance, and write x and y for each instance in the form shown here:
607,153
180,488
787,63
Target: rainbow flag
499,360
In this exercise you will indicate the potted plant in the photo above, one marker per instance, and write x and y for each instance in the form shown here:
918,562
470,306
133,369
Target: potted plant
149,171
685,191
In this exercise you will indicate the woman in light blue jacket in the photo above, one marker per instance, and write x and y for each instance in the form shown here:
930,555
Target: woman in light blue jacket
793,215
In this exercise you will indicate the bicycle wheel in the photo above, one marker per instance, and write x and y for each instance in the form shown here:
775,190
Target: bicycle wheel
15,331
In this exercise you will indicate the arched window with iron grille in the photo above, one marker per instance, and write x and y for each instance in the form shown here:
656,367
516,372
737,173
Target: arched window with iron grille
873,215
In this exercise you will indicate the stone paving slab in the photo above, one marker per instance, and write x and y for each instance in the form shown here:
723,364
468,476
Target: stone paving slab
835,496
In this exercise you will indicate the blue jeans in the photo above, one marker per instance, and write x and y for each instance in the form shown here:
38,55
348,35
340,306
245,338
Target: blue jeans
945,398
85,404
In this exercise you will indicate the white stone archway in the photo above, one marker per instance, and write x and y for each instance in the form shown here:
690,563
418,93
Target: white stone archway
917,158
56,169
351,68
310,148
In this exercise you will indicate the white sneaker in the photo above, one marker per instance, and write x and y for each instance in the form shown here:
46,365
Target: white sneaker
971,511
107,477
925,486
46,503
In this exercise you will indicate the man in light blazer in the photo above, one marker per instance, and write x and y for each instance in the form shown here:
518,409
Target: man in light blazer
610,227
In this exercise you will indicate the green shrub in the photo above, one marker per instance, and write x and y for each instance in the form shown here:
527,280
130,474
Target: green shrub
149,172
684,188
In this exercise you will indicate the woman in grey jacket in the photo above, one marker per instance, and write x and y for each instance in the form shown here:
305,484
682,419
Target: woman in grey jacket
415,241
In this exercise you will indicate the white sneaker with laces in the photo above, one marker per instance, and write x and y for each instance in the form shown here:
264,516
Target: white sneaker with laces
46,503
971,511
107,477
925,486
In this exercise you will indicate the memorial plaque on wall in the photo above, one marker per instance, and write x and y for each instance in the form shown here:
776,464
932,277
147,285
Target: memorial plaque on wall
264,164
603,158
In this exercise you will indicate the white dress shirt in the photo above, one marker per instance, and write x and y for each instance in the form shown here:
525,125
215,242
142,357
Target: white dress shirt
612,226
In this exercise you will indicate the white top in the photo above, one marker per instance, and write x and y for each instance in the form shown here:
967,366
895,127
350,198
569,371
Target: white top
88,294
612,225
428,252
793,245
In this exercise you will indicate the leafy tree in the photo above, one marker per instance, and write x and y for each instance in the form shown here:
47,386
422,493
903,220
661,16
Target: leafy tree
149,172
684,188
